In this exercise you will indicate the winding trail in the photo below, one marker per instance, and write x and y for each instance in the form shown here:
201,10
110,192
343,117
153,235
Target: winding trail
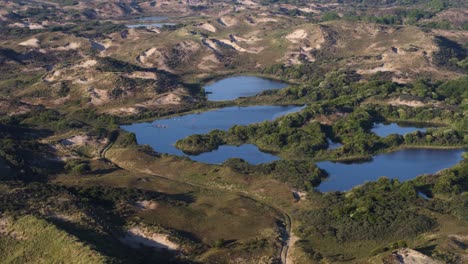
286,230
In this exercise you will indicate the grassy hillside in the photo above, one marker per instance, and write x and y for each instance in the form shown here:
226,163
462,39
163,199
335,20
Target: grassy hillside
28,239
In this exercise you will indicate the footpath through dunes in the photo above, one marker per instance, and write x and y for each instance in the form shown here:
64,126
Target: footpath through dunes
177,171
162,134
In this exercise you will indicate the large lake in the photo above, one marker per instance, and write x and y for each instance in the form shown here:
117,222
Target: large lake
162,134
240,86
403,165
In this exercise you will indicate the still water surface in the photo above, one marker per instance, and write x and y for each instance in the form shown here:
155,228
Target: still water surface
162,134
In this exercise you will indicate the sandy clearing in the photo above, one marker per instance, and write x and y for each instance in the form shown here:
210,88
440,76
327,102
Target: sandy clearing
248,2
147,205
210,44
33,42
265,20
239,48
248,39
459,237
207,26
123,111
383,68
88,63
292,241
35,26
78,140
69,46
208,62
228,21
136,237
398,101
410,256
6,107
296,35
309,10
164,99
141,75
298,195
98,96
17,24
52,77
144,57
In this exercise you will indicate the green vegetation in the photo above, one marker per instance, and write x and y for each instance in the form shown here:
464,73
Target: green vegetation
28,239
386,213
303,135
73,185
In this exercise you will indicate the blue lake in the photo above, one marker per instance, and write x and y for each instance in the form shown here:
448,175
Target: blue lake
162,134
403,165
386,129
153,21
157,25
240,86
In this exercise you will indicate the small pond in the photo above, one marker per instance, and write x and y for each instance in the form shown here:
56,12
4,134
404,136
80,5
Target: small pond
153,21
240,86
403,165
162,134
333,145
386,129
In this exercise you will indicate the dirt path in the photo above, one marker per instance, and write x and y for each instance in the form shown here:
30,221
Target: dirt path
285,230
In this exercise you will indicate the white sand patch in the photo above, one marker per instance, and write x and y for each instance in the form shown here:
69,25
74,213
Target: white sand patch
78,140
33,42
137,237
144,57
208,62
54,76
170,98
398,101
248,2
228,21
383,68
69,46
98,96
164,99
265,20
207,26
88,63
459,237
309,10
299,196
147,205
296,35
248,40
141,75
123,111
17,24
239,48
35,26
210,44
83,80
291,246
409,256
